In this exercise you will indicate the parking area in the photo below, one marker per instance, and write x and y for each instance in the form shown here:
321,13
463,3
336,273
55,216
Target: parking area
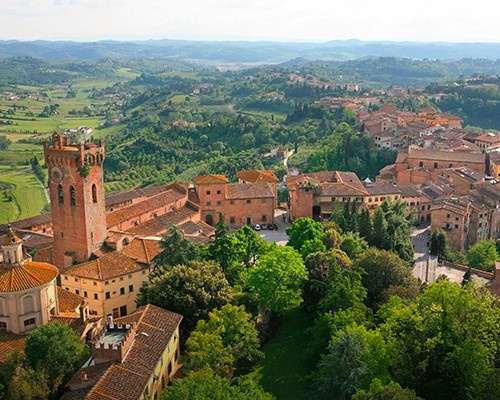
278,235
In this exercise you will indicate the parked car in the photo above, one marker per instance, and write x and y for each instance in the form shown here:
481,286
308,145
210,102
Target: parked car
257,227
264,226
271,227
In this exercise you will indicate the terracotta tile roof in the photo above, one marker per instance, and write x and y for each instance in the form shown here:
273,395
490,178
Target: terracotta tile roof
489,137
109,266
127,380
191,228
431,154
79,387
29,222
121,197
10,342
26,275
135,210
34,240
249,191
208,179
72,320
257,176
68,302
143,250
157,226
495,157
377,189
408,191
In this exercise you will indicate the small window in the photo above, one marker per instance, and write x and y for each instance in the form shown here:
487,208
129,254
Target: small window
219,192
456,226
129,276
72,196
96,296
122,290
249,201
208,192
85,294
94,193
264,218
450,165
131,288
232,220
3,326
447,215
420,164
77,291
209,203
121,278
435,165
60,194
108,295
106,283
94,283
231,202
219,203
29,322
65,278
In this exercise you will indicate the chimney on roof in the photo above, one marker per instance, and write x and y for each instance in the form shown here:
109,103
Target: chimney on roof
84,376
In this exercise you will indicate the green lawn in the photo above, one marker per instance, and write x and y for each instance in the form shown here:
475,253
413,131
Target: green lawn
283,370
28,195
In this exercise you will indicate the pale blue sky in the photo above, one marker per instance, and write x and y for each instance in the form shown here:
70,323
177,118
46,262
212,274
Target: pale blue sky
304,20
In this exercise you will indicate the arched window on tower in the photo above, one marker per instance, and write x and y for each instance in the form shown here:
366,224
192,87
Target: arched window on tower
72,198
94,193
60,194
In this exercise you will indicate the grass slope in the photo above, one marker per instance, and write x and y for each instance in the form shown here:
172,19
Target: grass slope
283,371
27,192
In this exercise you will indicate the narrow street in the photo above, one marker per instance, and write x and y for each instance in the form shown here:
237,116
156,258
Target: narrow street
425,264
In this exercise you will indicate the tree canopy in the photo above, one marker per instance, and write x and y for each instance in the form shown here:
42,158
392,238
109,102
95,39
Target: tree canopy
192,290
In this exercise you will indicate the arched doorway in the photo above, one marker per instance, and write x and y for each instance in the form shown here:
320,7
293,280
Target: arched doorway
209,219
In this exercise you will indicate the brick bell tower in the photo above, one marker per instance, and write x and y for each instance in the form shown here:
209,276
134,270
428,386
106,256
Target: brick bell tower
76,185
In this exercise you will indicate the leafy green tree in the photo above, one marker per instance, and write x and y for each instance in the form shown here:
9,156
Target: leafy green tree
251,245
391,391
439,245
55,349
365,225
205,385
207,350
176,249
30,384
303,229
233,329
446,342
312,246
380,237
355,356
5,142
225,250
353,245
191,290
482,255
382,270
277,279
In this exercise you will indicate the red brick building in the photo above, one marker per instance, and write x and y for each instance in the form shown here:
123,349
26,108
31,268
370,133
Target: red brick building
240,203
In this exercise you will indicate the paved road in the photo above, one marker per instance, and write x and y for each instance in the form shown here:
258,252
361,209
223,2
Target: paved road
425,264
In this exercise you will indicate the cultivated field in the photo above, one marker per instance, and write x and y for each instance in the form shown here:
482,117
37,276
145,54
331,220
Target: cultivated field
21,194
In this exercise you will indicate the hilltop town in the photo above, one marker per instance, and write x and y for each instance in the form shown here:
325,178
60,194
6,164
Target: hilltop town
211,219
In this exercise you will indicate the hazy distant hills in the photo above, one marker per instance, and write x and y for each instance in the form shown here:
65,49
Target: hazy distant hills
243,52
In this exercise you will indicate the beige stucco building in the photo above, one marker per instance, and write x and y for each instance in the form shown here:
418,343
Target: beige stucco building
28,291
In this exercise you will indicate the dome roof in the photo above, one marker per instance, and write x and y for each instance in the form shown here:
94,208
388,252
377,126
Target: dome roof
26,275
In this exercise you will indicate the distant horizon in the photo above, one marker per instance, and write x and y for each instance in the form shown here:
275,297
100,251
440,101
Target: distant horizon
314,21
284,41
